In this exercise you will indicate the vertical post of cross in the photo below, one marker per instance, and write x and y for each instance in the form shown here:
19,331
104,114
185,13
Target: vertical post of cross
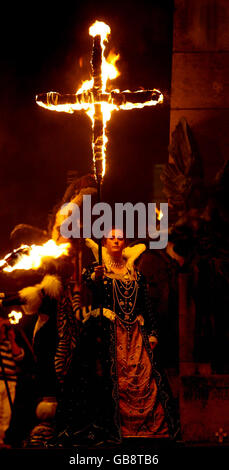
97,144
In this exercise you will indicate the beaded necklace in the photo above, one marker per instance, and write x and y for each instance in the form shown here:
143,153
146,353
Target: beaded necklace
123,301
123,298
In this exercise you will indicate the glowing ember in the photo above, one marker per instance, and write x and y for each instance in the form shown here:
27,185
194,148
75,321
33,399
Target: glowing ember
93,98
31,257
14,317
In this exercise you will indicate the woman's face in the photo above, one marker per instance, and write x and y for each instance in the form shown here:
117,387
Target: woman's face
116,243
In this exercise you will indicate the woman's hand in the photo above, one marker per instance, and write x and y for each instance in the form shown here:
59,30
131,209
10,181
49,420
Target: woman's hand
99,272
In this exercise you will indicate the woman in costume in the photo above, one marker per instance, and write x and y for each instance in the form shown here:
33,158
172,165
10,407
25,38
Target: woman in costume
113,388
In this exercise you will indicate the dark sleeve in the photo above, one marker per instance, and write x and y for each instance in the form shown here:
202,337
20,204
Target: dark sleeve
11,300
149,313
95,287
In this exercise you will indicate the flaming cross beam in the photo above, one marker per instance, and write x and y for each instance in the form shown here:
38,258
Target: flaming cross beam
93,98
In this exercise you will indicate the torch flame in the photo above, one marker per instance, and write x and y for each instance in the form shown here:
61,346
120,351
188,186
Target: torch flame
159,214
35,254
14,317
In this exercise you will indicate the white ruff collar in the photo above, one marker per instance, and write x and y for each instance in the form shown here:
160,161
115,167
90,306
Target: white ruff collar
130,254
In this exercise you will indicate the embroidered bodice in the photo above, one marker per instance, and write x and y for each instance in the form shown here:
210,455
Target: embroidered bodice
126,297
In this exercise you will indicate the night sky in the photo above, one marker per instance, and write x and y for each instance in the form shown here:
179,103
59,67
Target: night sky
44,48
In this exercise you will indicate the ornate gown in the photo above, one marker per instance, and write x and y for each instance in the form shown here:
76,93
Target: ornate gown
113,387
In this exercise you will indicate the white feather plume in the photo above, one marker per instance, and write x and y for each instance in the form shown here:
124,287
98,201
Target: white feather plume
33,295
52,286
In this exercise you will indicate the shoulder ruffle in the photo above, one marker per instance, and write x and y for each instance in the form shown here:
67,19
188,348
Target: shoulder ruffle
130,253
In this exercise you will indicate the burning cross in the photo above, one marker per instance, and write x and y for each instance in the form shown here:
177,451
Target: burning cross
98,103
221,435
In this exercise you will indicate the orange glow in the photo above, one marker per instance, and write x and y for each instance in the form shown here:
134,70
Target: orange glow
35,255
14,317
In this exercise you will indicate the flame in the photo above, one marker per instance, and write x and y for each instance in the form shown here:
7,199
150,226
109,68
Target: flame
110,69
14,317
34,256
87,100
99,28
159,214
128,106
103,30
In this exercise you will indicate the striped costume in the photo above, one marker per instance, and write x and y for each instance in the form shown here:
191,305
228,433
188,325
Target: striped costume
9,365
